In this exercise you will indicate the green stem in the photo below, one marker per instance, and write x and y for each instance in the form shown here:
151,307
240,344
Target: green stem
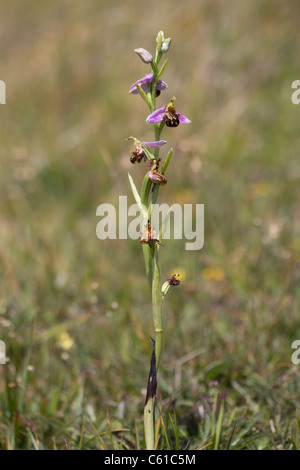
152,267
157,132
148,257
147,250
149,409
149,424
145,190
157,307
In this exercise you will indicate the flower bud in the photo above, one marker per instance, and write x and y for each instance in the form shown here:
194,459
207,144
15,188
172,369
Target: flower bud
145,56
166,45
160,38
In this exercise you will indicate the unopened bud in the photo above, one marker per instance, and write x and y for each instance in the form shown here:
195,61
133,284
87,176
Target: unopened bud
160,38
145,56
166,45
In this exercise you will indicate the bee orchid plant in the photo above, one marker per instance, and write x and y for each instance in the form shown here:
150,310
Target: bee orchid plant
149,88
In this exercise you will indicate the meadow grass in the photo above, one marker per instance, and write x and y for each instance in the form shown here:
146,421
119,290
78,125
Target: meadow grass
75,312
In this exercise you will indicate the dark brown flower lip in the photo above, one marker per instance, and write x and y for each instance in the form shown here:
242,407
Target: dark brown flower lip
173,281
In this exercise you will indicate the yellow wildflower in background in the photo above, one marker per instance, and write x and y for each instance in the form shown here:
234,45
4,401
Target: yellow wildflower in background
65,341
261,188
213,274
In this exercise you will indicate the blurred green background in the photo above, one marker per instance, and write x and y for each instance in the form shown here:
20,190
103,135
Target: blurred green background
75,312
